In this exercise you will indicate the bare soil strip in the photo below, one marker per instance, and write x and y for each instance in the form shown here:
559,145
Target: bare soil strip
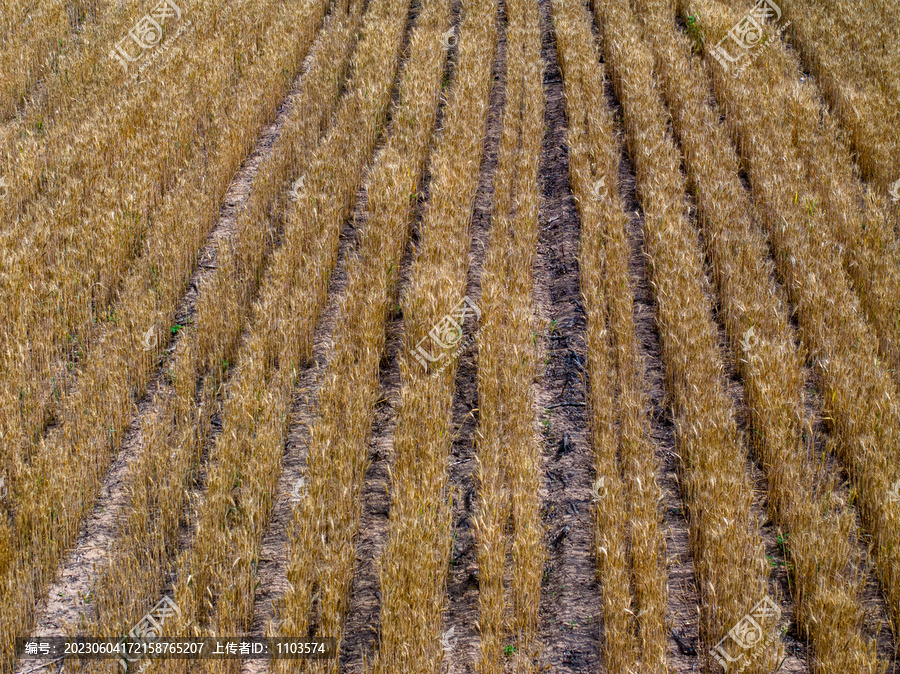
570,602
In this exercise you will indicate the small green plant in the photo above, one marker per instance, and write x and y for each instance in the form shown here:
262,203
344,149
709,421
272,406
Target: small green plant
695,32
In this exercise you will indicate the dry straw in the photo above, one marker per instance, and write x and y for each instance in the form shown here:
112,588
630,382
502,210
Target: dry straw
818,541
729,559
861,401
413,567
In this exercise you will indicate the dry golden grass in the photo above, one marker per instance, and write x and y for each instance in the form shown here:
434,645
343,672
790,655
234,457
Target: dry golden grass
853,216
413,567
54,490
633,577
508,524
854,55
72,247
819,541
36,41
215,575
339,440
149,534
860,398
729,559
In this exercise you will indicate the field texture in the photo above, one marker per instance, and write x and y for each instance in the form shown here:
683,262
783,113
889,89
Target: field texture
454,336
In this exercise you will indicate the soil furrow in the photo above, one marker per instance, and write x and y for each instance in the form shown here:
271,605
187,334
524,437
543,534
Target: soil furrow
570,603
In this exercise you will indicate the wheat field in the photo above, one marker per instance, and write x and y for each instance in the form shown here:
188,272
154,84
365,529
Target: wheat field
450,336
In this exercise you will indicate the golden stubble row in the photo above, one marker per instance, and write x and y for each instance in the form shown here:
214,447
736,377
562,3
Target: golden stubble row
322,547
819,538
173,437
630,549
729,559
855,58
508,528
68,258
857,220
861,401
53,491
413,566
35,45
215,574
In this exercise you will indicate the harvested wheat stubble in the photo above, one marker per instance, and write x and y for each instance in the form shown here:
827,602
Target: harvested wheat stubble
89,238
861,401
73,456
626,490
508,524
819,545
224,299
339,439
414,563
219,565
726,542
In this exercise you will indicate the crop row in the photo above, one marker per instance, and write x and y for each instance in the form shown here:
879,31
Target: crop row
413,567
508,525
729,559
818,537
322,548
861,401
633,578
215,575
